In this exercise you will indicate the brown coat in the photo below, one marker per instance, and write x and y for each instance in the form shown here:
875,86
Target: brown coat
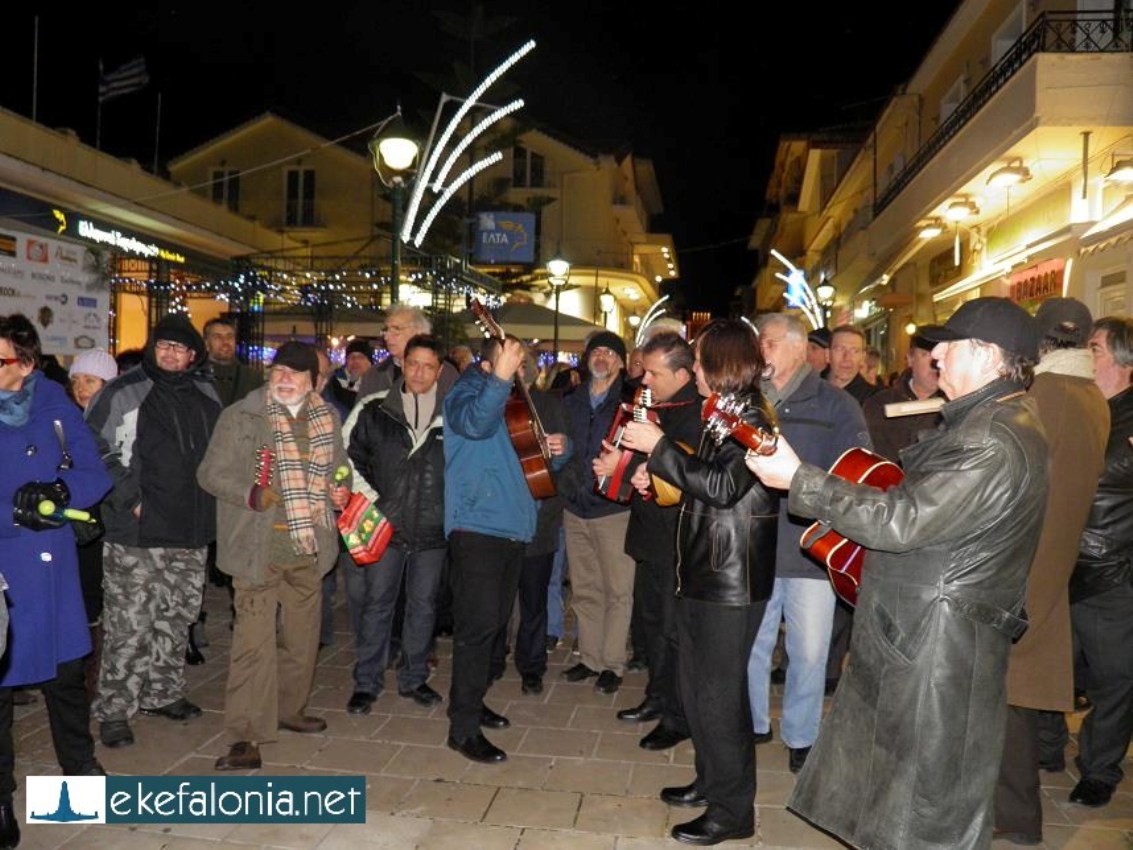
1075,416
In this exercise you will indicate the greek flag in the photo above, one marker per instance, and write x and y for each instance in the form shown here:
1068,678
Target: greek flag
129,78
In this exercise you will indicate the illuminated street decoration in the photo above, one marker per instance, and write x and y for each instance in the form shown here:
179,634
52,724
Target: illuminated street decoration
799,294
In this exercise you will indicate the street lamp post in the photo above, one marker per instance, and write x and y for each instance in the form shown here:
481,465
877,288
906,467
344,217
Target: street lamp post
558,272
394,152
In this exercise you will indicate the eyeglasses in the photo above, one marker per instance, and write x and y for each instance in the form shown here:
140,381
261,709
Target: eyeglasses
9,361
175,347
397,329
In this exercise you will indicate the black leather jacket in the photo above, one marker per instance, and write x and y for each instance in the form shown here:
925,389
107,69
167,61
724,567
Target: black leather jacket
407,474
1105,553
728,523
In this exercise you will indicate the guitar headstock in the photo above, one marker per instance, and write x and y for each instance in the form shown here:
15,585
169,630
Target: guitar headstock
722,416
484,319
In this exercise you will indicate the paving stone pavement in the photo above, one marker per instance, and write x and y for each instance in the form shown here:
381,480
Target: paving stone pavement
575,778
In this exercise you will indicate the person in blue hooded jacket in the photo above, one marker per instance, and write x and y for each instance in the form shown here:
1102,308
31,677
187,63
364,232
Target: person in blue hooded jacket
49,454
490,515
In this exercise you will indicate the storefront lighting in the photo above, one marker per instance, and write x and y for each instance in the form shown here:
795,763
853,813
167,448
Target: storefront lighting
1011,174
1122,169
931,229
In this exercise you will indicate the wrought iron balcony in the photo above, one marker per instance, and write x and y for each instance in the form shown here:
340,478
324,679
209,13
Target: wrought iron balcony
1052,32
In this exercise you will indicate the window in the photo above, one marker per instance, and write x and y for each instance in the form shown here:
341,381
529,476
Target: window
300,198
1007,34
527,168
953,98
226,187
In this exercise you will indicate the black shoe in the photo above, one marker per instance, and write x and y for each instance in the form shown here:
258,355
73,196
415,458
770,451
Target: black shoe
662,738
644,713
637,664
1092,793
778,676
360,702
608,682
762,737
478,748
115,733
180,709
9,827
683,795
797,758
532,684
492,720
578,672
705,831
423,695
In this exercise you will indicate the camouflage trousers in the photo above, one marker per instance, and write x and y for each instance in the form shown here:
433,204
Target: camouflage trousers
151,598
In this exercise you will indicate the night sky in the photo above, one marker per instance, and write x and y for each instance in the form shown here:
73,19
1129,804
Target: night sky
702,92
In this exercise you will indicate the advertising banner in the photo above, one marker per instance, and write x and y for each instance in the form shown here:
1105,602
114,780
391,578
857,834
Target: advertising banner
505,237
56,285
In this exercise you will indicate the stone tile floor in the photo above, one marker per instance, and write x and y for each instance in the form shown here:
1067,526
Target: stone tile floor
575,778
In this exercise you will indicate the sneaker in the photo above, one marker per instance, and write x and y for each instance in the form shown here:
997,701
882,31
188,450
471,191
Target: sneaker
552,643
115,733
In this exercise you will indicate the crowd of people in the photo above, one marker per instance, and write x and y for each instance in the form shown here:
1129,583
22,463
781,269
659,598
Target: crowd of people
997,582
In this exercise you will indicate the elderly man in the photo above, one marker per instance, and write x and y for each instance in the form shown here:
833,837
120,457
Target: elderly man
909,754
153,425
271,467
402,323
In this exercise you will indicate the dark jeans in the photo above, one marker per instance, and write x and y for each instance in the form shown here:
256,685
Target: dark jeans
68,713
531,636
638,632
485,576
714,645
658,613
371,594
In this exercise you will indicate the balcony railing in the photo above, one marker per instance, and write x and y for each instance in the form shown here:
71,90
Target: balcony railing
1052,32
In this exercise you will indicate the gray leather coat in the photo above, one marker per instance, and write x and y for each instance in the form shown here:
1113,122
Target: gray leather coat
908,756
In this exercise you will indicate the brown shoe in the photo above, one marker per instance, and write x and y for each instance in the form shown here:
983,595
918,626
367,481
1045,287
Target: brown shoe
304,725
242,755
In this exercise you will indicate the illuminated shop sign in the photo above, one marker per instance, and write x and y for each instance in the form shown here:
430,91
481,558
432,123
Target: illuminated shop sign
1039,281
124,242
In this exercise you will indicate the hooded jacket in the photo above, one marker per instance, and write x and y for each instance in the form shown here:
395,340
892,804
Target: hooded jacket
153,428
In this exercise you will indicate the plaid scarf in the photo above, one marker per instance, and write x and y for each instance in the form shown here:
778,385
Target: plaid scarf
304,490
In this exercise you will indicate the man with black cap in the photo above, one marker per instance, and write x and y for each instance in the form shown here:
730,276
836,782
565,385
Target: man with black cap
271,466
818,351
1040,670
153,425
920,381
601,573
909,753
348,378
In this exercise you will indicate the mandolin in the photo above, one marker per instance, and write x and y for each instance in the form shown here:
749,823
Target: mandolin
523,425
617,486
842,557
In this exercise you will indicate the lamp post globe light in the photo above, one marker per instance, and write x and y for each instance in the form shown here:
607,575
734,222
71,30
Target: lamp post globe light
558,272
394,152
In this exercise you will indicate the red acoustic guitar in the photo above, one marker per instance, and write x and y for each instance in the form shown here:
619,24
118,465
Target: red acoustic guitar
842,557
523,425
616,486
722,419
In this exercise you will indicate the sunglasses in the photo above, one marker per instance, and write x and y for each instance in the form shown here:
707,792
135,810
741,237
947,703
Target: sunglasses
9,361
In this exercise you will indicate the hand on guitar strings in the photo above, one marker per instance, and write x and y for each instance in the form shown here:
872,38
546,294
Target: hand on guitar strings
642,436
556,444
642,481
607,461
775,470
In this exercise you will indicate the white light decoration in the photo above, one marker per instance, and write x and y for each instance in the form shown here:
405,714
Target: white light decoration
468,174
434,152
471,137
654,312
799,293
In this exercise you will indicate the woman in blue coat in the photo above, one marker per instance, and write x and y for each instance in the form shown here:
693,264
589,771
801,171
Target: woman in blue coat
49,454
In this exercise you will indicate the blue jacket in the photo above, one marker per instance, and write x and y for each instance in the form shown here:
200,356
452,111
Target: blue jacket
48,620
485,488
820,421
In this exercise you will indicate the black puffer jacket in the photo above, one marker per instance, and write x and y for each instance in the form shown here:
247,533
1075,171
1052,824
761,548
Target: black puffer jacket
1105,552
407,474
728,523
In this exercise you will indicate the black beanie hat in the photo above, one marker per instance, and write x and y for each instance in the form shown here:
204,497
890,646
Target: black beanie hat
358,345
176,327
606,339
299,357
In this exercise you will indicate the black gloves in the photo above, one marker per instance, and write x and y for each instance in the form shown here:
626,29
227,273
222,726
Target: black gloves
25,504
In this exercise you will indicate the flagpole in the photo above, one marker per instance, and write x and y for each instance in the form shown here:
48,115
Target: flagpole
157,134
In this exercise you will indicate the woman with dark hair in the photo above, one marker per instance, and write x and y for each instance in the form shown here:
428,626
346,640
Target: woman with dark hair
49,455
726,537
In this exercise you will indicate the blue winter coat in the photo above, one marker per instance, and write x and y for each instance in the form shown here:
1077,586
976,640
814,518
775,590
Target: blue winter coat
45,601
485,488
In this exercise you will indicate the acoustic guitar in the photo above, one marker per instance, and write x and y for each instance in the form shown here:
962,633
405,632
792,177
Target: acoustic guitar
523,425
842,557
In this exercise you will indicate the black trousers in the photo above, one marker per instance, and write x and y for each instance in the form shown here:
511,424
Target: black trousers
68,713
484,578
714,644
658,612
638,633
531,636
1018,800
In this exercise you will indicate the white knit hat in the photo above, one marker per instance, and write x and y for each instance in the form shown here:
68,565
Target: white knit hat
94,361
